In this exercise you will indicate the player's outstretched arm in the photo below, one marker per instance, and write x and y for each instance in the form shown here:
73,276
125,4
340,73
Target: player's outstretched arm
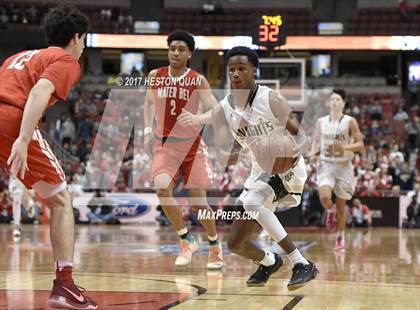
149,115
209,102
35,106
226,154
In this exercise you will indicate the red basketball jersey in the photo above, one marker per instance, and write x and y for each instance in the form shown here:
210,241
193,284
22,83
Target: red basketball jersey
20,72
172,94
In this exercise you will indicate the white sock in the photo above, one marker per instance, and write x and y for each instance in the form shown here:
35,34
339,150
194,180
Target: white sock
340,234
61,264
182,231
212,238
17,199
268,259
295,257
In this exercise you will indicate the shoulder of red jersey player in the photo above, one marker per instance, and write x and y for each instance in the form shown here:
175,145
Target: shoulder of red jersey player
54,53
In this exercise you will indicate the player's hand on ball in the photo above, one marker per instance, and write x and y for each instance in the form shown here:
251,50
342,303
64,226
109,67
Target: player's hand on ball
338,147
187,119
18,158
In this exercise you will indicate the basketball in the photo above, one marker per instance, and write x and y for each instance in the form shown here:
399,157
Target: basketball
275,152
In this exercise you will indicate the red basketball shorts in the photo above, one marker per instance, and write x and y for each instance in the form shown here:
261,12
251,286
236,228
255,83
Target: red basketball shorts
190,159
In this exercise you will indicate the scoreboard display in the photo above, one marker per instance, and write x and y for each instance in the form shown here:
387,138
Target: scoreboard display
270,31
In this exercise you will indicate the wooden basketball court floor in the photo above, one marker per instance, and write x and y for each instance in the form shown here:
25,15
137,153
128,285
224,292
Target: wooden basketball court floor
131,267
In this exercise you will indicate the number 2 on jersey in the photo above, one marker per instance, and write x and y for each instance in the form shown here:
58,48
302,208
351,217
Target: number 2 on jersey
173,107
19,62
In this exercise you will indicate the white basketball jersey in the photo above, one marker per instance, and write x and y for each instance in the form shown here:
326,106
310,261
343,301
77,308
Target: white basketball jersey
255,121
332,132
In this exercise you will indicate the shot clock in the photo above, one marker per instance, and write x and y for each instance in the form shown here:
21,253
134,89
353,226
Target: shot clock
270,31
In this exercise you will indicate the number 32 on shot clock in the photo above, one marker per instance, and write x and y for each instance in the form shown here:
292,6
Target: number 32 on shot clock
270,30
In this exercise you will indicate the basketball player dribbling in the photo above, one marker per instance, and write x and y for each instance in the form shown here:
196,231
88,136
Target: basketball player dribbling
30,82
337,136
251,112
173,101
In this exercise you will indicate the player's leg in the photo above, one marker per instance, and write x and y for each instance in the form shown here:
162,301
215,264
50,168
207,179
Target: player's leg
268,188
341,223
241,244
343,192
164,189
325,196
17,209
165,167
240,241
62,224
326,184
64,293
197,174
259,199
52,191
163,183
199,203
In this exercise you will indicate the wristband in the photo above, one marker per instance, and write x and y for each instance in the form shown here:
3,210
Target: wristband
147,130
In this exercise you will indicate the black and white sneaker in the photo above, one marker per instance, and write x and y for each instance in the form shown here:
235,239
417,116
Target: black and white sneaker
263,273
302,274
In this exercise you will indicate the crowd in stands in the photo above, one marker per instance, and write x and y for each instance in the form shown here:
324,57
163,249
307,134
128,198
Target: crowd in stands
391,134
215,20
104,19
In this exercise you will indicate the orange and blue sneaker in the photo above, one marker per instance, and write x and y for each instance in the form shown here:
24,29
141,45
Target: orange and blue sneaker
215,260
188,247
66,295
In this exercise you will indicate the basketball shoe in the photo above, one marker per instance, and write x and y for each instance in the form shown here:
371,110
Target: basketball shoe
263,273
17,232
301,275
66,295
215,260
339,244
188,247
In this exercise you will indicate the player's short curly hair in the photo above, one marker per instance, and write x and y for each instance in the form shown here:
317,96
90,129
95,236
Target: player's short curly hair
243,51
340,92
181,35
62,23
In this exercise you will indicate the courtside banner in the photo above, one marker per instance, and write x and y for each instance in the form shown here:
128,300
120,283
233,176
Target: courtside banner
139,208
